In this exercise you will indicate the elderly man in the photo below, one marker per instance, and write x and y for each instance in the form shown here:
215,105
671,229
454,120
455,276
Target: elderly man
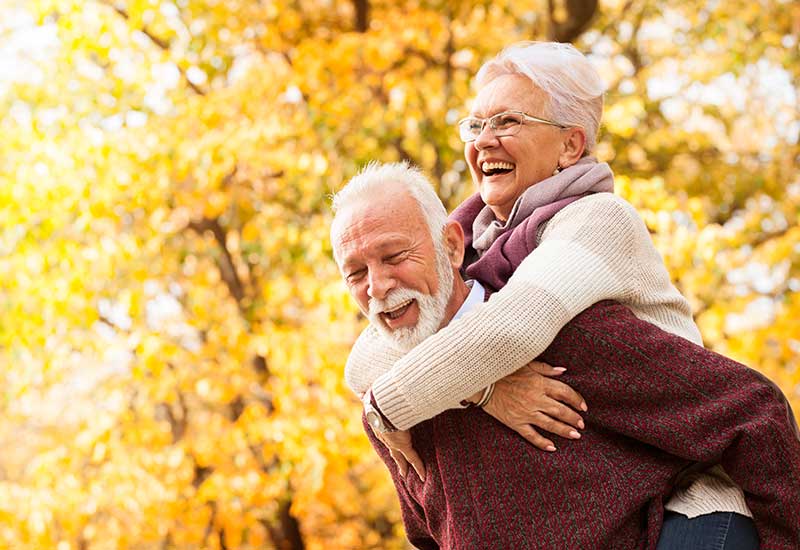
661,406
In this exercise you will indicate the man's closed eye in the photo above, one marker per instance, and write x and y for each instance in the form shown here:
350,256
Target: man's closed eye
355,276
396,258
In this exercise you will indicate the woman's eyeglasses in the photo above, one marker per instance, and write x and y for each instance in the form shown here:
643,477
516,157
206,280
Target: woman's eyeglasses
502,124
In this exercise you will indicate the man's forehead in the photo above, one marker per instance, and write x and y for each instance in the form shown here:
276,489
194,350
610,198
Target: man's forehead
391,207
375,226
369,226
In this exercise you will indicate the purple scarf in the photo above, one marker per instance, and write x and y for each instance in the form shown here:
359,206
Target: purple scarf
493,248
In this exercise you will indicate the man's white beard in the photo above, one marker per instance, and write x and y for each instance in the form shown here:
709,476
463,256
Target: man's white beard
431,307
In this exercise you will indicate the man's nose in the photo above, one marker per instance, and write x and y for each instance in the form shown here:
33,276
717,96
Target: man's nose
381,282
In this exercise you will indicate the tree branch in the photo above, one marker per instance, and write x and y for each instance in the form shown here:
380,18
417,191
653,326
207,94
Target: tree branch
579,15
403,152
225,262
210,527
160,43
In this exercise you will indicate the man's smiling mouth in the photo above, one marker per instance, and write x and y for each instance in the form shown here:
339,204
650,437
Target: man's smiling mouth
399,310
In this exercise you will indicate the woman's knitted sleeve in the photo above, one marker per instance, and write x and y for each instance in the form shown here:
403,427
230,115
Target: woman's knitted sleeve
596,248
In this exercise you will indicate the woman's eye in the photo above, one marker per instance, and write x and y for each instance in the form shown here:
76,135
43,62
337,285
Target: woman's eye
506,120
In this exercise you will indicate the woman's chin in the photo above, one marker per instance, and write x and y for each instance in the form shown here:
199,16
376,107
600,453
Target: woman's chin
500,203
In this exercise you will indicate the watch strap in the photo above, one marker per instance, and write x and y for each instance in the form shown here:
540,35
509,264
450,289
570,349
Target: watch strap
387,425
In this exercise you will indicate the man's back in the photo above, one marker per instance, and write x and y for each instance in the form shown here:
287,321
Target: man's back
488,488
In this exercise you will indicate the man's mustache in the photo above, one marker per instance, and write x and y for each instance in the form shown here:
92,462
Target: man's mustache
393,299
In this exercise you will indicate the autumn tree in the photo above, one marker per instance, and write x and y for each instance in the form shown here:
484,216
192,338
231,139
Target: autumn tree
172,326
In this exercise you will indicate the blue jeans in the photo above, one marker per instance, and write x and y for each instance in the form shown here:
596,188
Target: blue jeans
717,531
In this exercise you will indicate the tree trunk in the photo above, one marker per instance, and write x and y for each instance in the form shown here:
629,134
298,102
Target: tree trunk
285,533
579,15
362,15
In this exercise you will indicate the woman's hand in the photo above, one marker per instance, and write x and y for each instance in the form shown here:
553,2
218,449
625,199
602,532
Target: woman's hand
531,396
402,451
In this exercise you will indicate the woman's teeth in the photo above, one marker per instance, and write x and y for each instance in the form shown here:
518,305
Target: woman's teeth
490,168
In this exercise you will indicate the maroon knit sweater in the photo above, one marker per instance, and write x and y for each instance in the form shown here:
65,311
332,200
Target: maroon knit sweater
659,405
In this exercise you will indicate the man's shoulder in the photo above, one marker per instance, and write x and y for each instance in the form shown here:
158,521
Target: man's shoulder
607,313
615,324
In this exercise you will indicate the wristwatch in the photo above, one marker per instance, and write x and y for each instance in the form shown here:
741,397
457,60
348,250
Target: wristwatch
374,416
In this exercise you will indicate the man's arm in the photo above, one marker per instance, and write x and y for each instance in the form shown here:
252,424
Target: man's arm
414,520
693,403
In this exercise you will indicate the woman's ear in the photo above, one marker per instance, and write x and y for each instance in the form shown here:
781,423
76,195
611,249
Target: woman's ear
572,146
454,243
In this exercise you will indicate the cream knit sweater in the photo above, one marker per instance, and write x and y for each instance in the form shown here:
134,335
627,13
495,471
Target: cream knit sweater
597,248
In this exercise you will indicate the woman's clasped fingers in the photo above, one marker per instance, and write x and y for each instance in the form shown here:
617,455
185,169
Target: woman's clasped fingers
558,390
535,438
560,412
545,369
550,424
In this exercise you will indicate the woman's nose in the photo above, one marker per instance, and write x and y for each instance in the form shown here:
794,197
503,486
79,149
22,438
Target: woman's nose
486,139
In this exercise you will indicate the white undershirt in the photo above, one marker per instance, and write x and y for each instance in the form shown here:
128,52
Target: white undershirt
474,298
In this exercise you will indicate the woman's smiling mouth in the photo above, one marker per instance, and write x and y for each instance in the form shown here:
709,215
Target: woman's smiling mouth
494,168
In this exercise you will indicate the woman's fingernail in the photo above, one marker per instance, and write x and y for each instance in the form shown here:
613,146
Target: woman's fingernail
550,448
559,369
584,408
574,435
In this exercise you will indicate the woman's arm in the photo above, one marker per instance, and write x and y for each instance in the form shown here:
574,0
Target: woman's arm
527,399
597,248
370,357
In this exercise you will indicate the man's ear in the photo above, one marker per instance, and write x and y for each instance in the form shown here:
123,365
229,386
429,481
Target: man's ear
454,243
573,146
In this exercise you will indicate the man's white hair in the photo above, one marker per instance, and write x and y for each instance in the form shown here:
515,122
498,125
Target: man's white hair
376,178
573,86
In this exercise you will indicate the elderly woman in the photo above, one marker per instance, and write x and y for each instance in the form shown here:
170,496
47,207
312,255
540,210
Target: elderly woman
528,142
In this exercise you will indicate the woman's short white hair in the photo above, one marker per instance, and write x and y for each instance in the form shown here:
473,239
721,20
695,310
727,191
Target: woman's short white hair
573,87
375,178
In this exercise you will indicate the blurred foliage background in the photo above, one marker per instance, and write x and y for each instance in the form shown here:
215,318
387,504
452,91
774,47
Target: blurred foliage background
172,327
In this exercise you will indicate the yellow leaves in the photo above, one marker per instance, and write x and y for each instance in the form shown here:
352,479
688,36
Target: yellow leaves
623,117
310,475
313,163
782,248
199,391
381,54
149,352
218,389
215,204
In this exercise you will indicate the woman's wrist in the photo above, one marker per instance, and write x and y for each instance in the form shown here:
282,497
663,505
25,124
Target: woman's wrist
479,398
475,397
